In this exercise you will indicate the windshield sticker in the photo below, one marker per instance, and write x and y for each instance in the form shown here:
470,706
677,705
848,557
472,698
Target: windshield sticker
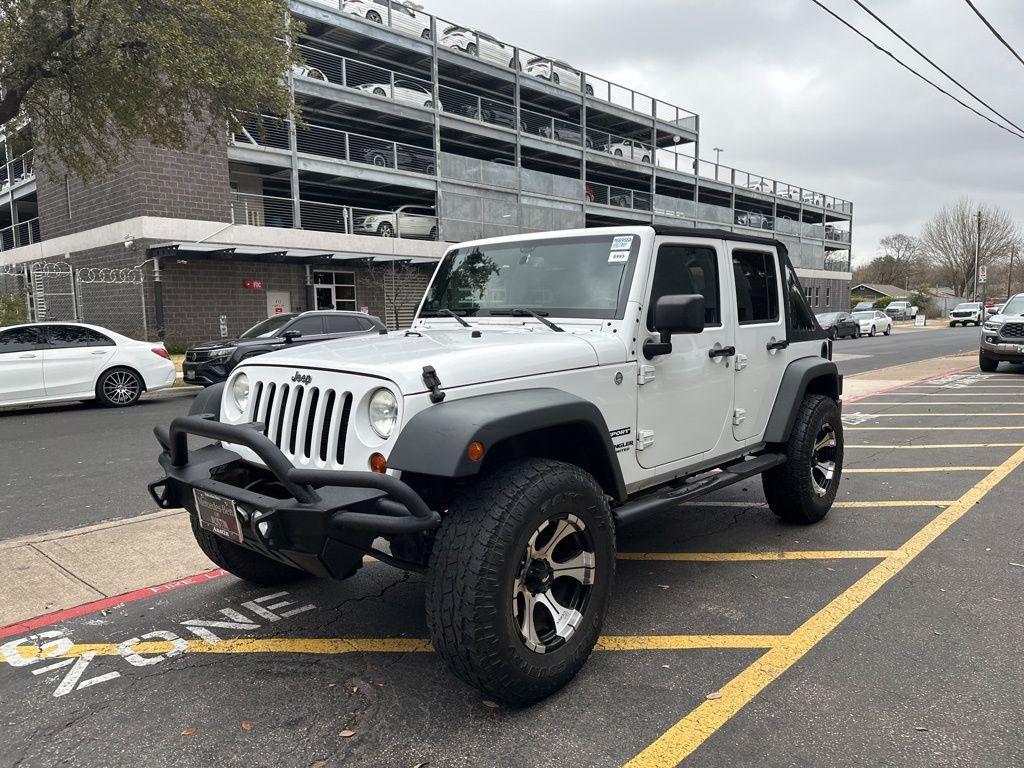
622,242
618,257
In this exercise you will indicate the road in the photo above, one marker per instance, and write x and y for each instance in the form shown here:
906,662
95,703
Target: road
72,465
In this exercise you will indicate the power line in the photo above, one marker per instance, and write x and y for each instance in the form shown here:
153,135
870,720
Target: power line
920,53
913,71
992,29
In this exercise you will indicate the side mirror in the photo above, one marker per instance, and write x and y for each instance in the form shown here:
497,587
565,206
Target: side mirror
288,336
683,313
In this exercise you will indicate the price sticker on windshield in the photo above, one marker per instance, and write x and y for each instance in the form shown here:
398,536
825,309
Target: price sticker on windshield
622,243
618,257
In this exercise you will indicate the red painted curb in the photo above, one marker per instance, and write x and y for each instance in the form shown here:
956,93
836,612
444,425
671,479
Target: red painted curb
909,383
108,602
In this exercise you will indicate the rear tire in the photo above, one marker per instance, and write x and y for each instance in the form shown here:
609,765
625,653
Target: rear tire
241,562
986,363
887,331
119,388
802,490
489,567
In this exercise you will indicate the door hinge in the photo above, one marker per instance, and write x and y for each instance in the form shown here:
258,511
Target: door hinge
741,362
739,416
644,439
645,374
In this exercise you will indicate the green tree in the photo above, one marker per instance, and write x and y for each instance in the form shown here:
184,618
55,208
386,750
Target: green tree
96,76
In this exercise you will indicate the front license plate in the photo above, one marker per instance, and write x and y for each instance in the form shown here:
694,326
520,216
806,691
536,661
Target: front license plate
218,514
190,374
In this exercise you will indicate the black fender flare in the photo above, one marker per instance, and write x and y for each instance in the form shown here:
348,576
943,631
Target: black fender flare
208,401
808,374
434,441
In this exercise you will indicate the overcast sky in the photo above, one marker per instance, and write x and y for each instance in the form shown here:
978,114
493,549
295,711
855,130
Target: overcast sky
790,93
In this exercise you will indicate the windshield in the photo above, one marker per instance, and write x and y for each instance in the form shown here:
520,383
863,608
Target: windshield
827,317
864,315
584,276
267,327
1014,306
966,307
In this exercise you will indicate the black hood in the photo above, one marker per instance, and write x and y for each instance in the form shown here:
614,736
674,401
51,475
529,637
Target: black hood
205,346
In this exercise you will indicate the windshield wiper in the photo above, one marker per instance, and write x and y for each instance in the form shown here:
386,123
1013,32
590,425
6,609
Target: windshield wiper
521,312
447,312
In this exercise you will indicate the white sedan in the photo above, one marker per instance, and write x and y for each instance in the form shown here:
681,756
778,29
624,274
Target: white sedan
403,17
559,73
480,44
873,322
406,221
404,91
50,362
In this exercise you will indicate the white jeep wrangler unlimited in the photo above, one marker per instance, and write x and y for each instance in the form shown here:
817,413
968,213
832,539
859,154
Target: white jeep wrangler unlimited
553,388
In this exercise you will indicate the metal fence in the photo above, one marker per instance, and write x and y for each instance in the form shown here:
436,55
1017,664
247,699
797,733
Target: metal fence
482,108
17,235
619,146
15,171
270,211
113,298
619,197
369,78
14,297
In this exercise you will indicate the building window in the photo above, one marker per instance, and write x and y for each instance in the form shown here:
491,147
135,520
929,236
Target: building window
807,294
817,296
828,296
335,290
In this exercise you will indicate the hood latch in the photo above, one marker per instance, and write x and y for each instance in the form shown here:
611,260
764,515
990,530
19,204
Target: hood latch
433,383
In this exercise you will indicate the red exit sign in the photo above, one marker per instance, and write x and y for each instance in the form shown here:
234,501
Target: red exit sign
252,285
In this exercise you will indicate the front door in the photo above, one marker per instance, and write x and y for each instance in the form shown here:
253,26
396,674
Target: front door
21,364
73,359
684,403
760,323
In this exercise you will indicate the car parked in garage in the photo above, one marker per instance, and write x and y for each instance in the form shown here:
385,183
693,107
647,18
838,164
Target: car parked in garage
404,91
839,324
403,17
873,322
211,362
407,221
475,43
559,73
52,362
967,313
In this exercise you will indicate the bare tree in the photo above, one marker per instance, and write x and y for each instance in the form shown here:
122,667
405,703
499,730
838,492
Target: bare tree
401,284
949,239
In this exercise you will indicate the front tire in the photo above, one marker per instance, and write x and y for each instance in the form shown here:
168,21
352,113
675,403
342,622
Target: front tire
986,363
519,579
873,331
802,490
241,562
887,331
119,388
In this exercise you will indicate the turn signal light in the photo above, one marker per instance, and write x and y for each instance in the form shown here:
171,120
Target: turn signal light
475,451
378,463
162,352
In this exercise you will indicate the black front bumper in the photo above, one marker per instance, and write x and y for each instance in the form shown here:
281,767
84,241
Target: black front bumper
206,372
321,521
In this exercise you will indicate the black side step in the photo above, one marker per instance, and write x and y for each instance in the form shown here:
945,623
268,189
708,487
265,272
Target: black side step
657,501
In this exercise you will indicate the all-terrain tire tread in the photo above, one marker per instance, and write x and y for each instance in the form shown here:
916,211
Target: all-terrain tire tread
243,563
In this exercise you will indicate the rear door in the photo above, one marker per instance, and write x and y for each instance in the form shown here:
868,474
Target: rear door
760,322
73,358
685,397
21,364
345,325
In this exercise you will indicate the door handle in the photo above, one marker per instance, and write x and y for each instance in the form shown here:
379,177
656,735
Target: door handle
98,352
28,355
781,344
723,352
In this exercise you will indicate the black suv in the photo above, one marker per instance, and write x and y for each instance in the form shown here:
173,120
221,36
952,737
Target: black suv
211,361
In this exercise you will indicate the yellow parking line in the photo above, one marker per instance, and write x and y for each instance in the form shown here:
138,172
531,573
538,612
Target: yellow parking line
933,445
743,557
944,402
945,429
897,415
902,470
337,645
690,732
853,504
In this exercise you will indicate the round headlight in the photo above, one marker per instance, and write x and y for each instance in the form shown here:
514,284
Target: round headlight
240,391
383,412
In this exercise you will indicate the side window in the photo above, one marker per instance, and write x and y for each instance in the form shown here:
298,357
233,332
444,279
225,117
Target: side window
20,340
343,324
67,336
687,269
308,326
757,286
800,315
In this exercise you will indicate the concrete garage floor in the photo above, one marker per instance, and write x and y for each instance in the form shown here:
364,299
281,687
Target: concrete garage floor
887,635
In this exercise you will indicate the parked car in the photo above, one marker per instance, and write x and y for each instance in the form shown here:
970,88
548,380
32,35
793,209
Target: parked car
901,310
212,361
631,150
558,72
863,306
1002,338
51,362
993,309
406,221
480,44
304,70
404,16
873,321
410,158
969,312
404,91
839,324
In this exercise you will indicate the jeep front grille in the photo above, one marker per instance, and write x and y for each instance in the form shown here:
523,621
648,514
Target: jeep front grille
1012,331
306,423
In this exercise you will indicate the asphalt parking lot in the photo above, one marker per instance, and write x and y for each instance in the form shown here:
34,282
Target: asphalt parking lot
889,634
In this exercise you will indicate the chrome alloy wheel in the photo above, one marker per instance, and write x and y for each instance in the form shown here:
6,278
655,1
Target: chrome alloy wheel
553,583
121,387
823,460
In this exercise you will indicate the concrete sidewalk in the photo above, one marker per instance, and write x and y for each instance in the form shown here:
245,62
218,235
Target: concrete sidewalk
53,571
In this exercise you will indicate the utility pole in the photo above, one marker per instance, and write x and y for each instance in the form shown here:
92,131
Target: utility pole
1009,272
977,257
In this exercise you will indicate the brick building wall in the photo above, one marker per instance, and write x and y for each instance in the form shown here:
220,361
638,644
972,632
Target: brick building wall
826,295
190,184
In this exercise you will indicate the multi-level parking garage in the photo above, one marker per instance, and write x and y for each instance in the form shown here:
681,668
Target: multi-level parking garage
19,217
466,135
